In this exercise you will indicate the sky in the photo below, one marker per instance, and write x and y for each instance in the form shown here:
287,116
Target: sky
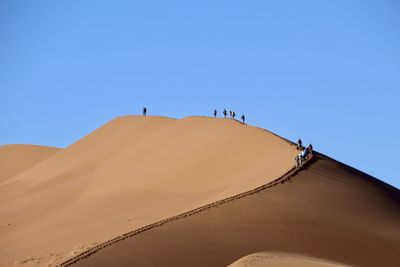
325,71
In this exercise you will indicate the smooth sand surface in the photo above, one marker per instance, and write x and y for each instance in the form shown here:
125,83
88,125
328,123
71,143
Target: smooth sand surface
327,211
265,259
131,172
15,159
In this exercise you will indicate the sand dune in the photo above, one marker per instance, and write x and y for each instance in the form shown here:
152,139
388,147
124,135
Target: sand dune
136,171
131,172
15,159
327,211
264,259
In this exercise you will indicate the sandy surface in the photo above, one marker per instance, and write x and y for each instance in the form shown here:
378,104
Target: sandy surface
274,259
131,172
15,159
328,211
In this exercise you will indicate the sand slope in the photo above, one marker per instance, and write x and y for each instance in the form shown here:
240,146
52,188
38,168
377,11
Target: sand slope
327,211
131,172
15,159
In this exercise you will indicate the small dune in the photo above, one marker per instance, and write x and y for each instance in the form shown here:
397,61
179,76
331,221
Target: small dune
15,159
265,259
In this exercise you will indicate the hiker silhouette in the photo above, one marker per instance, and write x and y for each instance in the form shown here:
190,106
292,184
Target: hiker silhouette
299,144
310,149
243,118
225,113
144,111
215,113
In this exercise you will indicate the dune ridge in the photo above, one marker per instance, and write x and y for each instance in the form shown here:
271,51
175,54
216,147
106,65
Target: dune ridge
92,250
328,212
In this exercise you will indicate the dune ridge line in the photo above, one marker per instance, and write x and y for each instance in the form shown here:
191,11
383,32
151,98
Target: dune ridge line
280,180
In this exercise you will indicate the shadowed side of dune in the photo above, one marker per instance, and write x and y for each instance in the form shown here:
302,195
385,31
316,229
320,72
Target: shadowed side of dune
327,211
15,159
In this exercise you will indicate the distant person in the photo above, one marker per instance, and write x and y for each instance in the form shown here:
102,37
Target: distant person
303,153
300,157
225,113
215,113
230,113
310,149
144,111
299,144
243,118
233,114
298,161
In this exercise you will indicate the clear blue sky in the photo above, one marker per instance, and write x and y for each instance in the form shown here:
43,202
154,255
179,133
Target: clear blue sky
326,71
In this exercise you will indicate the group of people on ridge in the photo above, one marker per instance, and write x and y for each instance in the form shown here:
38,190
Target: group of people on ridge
232,114
305,153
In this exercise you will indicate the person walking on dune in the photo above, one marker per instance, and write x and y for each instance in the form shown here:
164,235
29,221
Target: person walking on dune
302,156
233,114
215,113
299,144
304,153
144,111
298,160
243,118
309,150
230,113
225,113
